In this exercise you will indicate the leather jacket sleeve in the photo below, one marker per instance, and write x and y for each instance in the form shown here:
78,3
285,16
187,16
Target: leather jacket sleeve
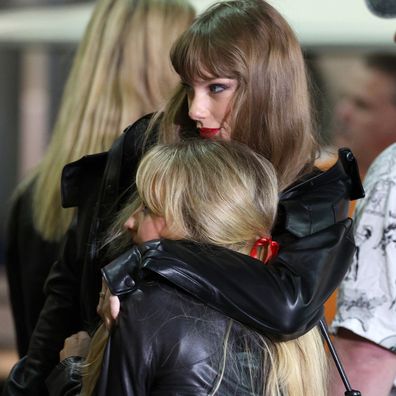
65,378
283,299
29,258
14,275
59,318
317,247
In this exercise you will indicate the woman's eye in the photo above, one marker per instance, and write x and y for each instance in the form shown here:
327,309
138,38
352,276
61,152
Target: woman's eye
217,88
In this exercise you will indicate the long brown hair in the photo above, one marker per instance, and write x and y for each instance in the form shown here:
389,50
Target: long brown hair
121,71
248,40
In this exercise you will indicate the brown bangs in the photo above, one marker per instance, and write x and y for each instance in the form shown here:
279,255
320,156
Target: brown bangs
203,52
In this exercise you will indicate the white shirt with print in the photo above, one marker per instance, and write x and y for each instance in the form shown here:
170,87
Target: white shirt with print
367,296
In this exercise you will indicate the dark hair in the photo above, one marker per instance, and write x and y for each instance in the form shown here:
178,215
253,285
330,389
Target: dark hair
385,63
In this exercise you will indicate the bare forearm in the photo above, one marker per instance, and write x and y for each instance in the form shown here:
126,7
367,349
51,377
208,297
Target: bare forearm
370,368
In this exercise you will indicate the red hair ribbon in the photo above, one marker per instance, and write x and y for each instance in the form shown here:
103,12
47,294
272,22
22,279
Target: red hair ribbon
272,248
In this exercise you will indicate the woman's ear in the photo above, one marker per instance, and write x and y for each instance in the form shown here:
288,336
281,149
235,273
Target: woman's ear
168,231
161,226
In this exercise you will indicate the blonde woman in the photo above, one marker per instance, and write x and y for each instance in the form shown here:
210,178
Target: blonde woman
199,201
121,71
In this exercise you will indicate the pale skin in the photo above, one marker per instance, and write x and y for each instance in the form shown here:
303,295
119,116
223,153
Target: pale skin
209,103
371,369
76,345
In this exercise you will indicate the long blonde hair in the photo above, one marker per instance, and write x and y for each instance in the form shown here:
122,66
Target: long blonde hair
225,194
248,40
121,71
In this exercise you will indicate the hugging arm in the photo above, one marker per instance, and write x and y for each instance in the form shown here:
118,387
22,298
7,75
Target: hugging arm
284,299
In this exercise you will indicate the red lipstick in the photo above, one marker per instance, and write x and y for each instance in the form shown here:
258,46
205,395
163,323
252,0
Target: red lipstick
207,133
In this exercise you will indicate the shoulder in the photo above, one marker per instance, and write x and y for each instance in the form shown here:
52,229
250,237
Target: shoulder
140,125
165,340
136,135
136,139
82,178
313,203
170,323
171,311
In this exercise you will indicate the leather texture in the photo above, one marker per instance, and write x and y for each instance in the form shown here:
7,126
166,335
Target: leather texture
170,334
28,260
167,341
65,379
75,280
282,299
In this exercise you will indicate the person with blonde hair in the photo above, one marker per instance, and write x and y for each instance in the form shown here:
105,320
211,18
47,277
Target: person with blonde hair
121,71
242,78
197,201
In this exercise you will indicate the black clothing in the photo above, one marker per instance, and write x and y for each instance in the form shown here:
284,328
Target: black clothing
235,284
74,281
171,329
28,261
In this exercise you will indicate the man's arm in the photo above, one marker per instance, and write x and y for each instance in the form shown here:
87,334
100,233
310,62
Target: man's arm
370,367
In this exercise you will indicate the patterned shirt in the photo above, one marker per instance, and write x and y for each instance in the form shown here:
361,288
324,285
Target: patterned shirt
367,296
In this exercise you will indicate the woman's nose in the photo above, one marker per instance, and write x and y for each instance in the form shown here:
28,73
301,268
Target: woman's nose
130,223
197,108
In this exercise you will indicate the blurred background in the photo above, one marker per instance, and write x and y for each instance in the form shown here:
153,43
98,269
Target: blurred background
37,43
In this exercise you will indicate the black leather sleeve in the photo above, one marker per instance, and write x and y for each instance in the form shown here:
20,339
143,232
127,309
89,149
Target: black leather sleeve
65,378
283,299
59,318
28,260
14,276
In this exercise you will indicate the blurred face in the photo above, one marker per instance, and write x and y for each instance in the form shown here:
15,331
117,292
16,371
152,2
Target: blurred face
367,117
144,227
209,103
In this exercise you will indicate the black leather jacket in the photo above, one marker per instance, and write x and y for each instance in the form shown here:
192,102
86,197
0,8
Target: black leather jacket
28,261
99,185
170,334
